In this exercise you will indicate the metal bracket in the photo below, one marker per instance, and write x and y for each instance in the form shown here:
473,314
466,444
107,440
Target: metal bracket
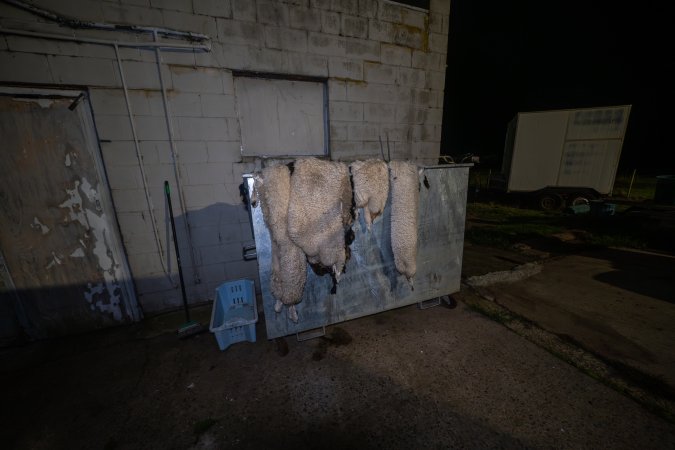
249,253
311,334
76,102
426,304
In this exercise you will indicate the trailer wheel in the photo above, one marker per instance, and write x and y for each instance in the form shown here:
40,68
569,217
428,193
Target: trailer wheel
550,202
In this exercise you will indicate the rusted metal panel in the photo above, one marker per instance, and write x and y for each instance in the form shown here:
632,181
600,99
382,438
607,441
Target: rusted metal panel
57,227
371,283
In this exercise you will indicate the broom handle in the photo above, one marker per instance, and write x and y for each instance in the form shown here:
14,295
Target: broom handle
167,190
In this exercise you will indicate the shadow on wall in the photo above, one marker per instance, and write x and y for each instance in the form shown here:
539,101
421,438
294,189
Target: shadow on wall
65,315
219,233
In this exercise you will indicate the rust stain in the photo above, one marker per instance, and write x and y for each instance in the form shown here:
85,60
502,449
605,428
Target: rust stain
425,37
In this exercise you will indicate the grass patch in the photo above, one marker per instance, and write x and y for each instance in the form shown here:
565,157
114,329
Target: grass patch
479,178
497,314
643,186
507,236
501,213
654,384
203,426
613,231
503,226
617,240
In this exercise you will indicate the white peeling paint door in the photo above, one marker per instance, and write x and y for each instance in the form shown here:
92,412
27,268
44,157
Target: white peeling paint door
58,233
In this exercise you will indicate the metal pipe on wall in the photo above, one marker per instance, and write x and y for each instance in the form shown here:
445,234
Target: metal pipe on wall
176,167
139,156
83,24
83,40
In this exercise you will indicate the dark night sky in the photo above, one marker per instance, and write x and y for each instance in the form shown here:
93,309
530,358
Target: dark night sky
505,57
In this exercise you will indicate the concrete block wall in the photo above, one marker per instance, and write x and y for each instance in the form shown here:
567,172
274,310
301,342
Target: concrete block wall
385,70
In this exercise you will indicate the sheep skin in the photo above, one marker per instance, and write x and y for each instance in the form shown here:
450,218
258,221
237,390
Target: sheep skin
404,208
289,266
371,187
319,210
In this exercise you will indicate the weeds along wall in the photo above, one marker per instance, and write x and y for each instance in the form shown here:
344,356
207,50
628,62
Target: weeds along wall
383,65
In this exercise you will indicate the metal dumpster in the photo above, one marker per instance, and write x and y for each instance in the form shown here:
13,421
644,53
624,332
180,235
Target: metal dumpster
371,283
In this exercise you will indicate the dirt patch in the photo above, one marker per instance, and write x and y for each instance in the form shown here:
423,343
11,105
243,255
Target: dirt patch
518,273
281,346
335,338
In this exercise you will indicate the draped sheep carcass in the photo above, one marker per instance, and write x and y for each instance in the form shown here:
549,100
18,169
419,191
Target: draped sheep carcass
404,208
371,187
320,210
289,266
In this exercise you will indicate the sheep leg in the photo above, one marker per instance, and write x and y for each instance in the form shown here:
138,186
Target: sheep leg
293,313
367,216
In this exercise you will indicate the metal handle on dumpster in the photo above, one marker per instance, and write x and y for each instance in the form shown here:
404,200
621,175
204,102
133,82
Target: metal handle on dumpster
249,253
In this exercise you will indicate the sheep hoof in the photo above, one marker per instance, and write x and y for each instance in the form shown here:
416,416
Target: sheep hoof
278,306
293,313
410,280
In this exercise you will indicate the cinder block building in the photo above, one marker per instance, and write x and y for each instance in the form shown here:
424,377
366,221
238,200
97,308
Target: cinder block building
103,101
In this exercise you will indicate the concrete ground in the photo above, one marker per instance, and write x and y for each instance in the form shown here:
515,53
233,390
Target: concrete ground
408,378
617,303
620,304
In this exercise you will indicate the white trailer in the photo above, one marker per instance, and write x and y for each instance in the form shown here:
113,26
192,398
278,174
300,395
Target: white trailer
563,156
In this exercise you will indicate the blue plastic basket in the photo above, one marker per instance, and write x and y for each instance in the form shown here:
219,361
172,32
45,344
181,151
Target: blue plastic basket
234,313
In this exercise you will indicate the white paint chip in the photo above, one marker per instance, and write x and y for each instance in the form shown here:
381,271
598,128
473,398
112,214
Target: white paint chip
79,253
95,223
56,260
37,225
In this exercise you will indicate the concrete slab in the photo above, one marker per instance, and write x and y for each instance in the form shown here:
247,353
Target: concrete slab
617,303
480,260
